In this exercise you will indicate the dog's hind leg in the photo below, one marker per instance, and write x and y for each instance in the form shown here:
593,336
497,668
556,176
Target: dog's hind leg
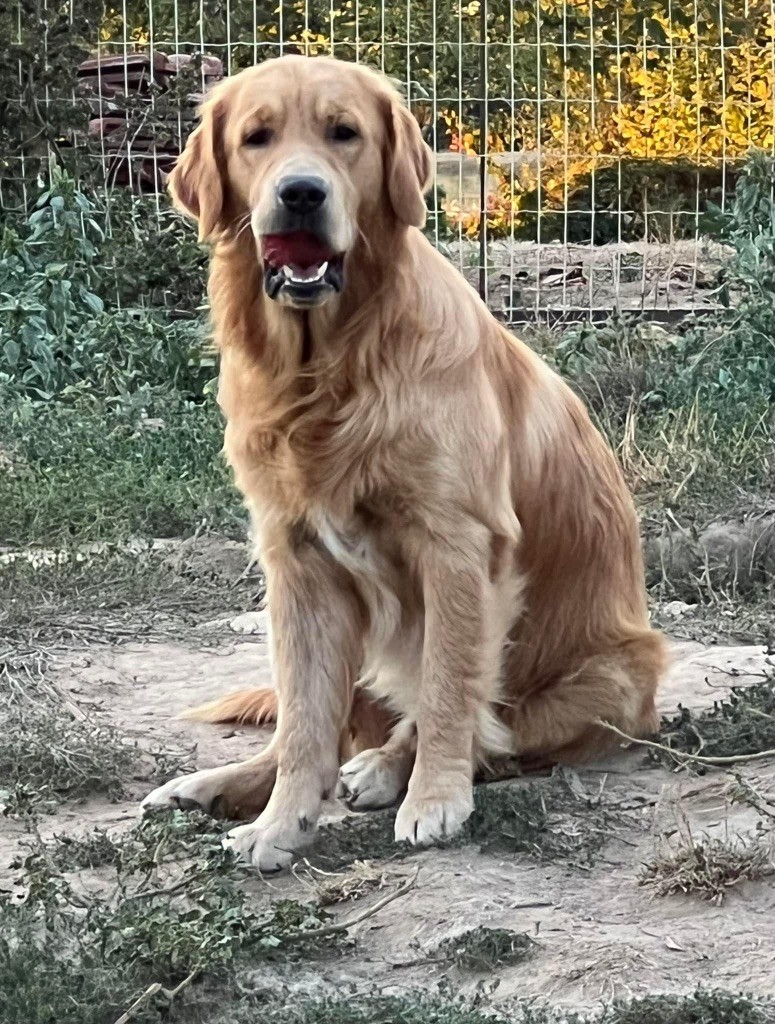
377,777
561,720
233,791
242,790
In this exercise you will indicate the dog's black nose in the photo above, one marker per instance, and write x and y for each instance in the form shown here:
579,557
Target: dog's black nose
302,195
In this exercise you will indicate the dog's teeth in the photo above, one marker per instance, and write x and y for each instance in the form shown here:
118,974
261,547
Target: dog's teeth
308,276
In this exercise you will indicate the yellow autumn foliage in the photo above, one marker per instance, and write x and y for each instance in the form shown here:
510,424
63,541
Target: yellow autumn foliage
581,85
697,97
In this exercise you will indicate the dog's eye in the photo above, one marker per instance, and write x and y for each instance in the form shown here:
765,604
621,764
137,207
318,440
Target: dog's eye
260,137
342,133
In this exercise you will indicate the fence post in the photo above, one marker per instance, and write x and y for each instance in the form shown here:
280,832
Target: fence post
483,133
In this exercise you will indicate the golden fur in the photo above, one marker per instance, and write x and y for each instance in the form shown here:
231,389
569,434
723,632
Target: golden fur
452,556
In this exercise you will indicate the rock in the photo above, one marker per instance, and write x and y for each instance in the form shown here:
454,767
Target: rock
677,609
251,622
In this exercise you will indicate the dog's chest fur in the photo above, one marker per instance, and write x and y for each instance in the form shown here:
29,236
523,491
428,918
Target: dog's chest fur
340,466
341,482
370,549
337,476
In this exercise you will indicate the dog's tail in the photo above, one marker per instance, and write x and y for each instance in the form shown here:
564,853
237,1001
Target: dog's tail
248,707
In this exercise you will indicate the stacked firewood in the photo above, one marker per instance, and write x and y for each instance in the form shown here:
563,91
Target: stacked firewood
139,118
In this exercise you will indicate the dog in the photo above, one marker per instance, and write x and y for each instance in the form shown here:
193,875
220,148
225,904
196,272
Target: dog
452,556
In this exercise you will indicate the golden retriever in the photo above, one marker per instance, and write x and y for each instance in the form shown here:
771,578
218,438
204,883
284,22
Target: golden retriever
452,556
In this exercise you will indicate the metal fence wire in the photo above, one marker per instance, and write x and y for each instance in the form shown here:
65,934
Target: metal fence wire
583,148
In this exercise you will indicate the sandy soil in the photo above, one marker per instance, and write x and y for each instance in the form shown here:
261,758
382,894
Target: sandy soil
599,933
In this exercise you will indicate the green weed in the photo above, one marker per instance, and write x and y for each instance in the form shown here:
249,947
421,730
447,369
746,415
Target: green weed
742,723
176,914
92,471
485,949
703,1007
535,818
373,1009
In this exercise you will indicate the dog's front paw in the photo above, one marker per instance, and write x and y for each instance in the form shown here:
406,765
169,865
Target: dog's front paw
269,846
425,819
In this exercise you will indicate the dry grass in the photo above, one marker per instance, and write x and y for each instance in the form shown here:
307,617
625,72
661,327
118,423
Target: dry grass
709,867
331,888
52,751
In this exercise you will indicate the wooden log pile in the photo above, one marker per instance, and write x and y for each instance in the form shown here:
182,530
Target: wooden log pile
139,131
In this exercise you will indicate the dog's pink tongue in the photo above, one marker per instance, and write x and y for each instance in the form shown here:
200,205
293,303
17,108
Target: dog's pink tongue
298,248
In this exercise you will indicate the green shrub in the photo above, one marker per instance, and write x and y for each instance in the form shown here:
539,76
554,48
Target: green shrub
107,423
59,333
723,358
151,255
630,201
733,356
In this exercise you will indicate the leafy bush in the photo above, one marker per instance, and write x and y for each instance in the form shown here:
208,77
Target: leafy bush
741,350
723,358
108,426
691,410
58,336
151,255
626,200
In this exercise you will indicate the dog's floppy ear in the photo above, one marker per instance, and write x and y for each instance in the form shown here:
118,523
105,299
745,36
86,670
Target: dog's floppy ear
197,179
408,166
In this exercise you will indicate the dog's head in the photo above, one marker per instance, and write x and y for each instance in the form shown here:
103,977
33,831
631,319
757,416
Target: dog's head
311,153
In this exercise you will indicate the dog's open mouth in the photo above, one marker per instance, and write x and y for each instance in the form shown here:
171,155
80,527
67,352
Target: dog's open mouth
301,268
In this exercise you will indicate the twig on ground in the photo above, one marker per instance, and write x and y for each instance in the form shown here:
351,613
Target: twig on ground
343,926
150,893
680,755
153,990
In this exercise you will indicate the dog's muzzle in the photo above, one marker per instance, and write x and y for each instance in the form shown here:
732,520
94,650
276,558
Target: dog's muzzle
300,266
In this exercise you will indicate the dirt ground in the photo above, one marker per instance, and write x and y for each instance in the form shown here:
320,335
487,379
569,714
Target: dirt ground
663,281
599,933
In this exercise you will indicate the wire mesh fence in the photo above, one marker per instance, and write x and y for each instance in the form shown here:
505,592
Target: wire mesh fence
583,148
